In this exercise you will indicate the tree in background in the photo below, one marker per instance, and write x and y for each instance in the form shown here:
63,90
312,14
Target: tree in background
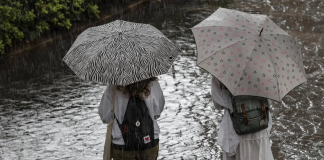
26,20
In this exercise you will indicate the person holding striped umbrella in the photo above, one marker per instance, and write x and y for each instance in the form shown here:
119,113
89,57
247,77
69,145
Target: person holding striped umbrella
127,56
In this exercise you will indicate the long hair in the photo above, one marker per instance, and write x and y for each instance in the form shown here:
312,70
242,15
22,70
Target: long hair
141,88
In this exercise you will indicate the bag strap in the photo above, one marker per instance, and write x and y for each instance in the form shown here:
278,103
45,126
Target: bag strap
263,109
113,103
107,147
244,114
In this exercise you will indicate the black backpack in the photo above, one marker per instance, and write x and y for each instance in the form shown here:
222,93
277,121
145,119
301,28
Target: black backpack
137,127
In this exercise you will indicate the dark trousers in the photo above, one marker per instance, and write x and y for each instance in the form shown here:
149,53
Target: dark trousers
148,154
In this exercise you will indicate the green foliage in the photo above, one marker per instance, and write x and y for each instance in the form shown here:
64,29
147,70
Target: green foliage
10,15
23,20
93,11
1,46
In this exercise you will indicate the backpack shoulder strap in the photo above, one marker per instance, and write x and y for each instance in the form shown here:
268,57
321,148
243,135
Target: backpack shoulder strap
113,102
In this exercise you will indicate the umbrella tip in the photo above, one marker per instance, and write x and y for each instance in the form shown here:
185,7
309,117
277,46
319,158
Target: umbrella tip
260,32
120,33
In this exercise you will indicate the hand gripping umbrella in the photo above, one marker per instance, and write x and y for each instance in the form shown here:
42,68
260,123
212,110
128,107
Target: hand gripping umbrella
121,53
249,54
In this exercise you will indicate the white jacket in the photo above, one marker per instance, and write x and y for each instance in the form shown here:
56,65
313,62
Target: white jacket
227,137
154,102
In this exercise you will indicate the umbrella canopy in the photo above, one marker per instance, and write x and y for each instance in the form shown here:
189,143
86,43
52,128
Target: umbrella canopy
121,53
249,54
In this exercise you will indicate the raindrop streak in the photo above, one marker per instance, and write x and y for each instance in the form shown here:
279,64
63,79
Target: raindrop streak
46,111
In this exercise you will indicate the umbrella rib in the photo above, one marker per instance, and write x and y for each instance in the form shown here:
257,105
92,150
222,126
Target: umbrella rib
223,48
274,68
284,50
248,36
221,26
244,67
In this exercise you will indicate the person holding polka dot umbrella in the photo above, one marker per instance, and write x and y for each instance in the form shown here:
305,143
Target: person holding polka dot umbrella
248,55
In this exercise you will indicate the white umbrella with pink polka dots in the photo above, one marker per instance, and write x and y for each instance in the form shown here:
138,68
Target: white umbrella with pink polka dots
249,54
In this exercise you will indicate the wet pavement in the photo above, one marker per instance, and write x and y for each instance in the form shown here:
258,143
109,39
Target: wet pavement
48,113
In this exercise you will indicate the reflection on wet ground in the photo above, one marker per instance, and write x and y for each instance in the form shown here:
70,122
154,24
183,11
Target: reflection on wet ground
48,113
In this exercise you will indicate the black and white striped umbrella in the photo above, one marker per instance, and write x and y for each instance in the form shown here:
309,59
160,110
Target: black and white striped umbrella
121,53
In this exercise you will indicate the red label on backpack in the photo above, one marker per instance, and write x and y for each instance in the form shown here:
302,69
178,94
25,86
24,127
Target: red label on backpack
147,139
